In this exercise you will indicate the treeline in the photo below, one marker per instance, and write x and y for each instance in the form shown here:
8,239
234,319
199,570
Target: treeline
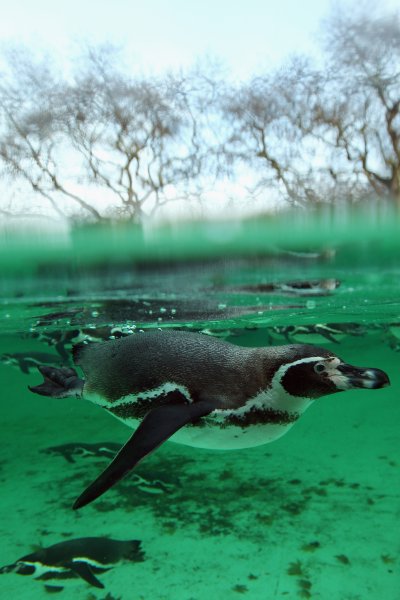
100,142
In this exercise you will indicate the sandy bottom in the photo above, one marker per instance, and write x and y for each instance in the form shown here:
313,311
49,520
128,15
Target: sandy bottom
313,515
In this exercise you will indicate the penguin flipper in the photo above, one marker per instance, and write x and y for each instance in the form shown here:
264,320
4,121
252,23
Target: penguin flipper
157,426
58,382
83,570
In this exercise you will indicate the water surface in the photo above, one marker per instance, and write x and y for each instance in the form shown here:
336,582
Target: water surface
313,515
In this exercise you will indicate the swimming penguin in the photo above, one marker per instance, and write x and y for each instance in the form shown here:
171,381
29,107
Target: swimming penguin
227,396
81,557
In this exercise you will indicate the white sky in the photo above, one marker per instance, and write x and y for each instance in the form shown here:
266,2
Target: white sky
246,34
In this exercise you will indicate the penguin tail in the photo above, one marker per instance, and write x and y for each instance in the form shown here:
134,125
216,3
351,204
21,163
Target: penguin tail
58,382
134,551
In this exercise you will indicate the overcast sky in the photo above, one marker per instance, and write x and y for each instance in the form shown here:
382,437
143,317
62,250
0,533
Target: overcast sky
158,34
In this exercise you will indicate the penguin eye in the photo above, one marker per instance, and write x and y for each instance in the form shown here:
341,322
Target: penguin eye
319,367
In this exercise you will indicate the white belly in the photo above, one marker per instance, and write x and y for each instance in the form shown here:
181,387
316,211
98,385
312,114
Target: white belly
215,437
231,437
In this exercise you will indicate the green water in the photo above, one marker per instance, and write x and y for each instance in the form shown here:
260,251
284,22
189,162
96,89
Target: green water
312,515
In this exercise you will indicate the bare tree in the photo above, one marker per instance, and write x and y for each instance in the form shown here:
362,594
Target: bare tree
103,138
271,128
325,134
31,142
262,124
358,113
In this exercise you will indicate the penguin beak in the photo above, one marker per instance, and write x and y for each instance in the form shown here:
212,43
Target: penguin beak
9,568
359,377
5,569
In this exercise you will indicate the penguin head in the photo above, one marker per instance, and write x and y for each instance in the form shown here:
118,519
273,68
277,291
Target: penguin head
8,359
314,372
19,567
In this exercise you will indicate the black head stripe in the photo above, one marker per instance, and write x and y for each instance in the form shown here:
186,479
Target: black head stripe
301,380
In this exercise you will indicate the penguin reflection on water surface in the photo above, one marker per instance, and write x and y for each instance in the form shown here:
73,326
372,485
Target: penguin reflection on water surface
203,391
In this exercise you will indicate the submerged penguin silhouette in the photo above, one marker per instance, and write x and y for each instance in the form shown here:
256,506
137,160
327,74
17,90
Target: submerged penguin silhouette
81,449
81,557
227,396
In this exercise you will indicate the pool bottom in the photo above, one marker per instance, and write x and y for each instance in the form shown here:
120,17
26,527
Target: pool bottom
313,515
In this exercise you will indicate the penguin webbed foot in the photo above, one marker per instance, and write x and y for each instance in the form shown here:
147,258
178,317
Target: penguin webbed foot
58,382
